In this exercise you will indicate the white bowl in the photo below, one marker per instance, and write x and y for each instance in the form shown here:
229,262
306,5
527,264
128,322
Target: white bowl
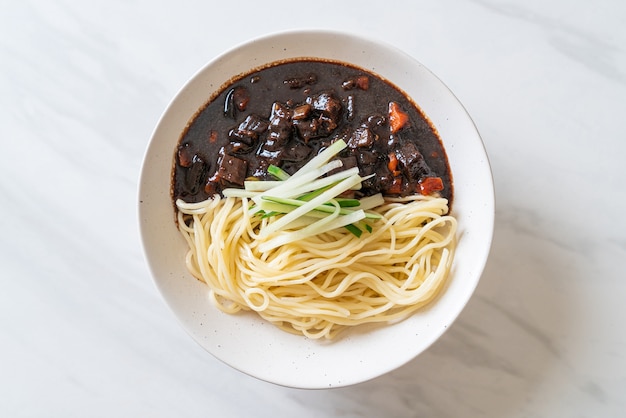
245,341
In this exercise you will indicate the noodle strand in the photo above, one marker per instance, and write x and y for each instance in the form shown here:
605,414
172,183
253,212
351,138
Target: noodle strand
322,284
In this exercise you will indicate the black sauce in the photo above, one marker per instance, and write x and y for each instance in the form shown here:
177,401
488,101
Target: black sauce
286,113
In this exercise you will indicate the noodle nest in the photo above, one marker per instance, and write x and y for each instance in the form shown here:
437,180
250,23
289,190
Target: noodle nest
321,285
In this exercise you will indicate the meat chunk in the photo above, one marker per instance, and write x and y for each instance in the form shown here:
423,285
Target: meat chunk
367,158
280,126
318,117
249,130
196,175
326,125
346,163
326,103
232,169
302,112
362,137
312,128
412,161
296,151
307,128
254,124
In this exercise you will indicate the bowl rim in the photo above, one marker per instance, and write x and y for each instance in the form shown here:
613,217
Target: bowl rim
163,278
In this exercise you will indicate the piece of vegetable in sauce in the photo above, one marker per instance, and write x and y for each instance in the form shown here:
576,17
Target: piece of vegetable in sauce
286,114
185,155
360,82
398,118
300,81
236,99
196,174
311,200
430,185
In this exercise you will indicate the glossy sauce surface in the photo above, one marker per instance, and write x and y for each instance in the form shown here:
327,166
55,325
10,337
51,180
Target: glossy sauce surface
286,113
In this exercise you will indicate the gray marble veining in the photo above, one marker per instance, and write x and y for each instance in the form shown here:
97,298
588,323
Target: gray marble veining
84,330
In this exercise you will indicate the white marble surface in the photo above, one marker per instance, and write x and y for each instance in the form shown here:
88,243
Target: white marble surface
84,330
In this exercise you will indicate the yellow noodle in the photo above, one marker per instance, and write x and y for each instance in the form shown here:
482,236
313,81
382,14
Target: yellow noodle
320,285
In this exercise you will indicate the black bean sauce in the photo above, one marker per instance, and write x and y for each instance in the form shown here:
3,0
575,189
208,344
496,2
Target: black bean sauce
286,113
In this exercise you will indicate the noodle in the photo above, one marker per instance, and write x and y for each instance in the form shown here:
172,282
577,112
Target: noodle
320,285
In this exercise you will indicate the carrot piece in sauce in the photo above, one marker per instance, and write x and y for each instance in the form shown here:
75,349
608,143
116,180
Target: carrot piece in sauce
392,165
393,162
430,185
397,117
363,82
396,186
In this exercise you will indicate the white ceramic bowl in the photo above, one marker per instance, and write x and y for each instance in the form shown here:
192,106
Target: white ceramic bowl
245,341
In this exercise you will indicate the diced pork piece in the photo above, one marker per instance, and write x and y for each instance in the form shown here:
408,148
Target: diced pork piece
412,161
307,128
326,125
328,104
315,128
196,175
366,158
232,169
249,130
347,163
296,151
362,137
280,127
302,112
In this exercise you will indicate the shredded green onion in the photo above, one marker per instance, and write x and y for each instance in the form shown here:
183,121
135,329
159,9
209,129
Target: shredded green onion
311,201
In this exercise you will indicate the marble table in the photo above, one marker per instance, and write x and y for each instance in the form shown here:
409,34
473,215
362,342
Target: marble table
85,331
